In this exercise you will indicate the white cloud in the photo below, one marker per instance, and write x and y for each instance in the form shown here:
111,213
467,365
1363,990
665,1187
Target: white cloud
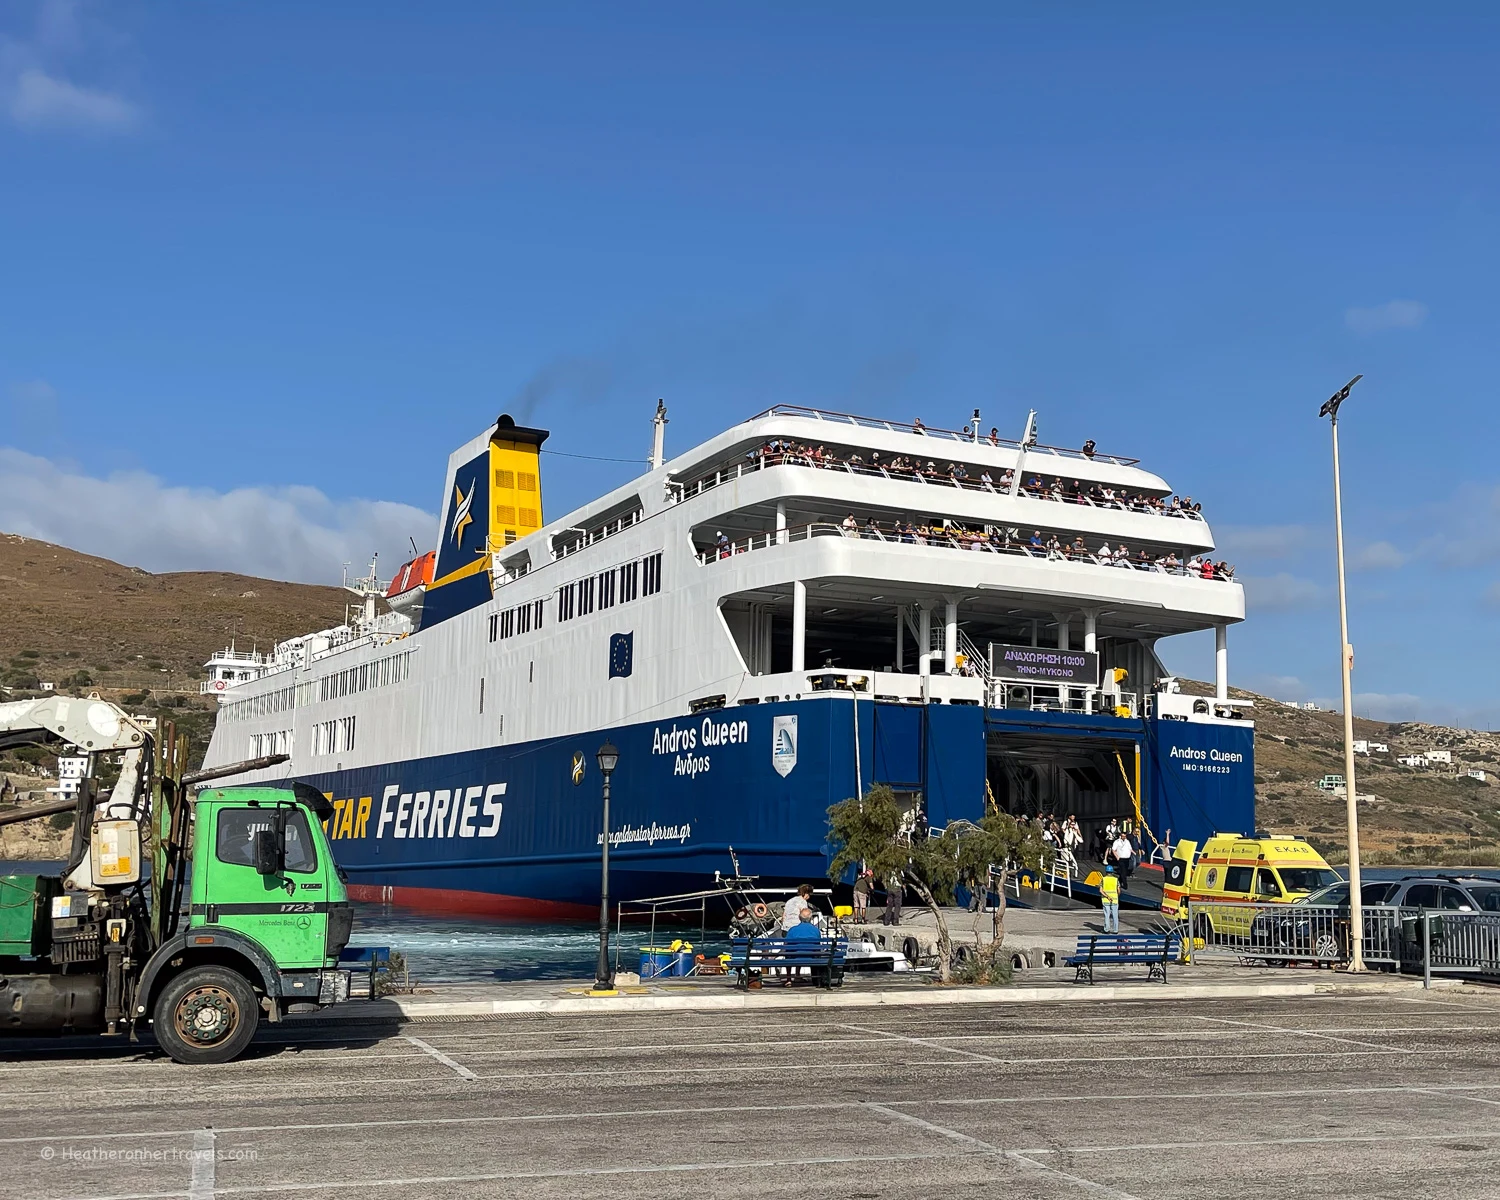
1389,706
1262,541
1278,687
293,533
36,89
1394,314
1377,556
39,99
1281,592
1398,707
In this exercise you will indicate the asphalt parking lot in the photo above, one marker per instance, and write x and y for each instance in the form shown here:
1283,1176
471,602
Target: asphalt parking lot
1336,1096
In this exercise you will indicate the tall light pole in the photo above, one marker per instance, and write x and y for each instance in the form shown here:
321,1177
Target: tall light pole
1346,662
604,979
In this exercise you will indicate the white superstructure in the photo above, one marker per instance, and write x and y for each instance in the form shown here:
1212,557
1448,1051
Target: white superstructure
771,562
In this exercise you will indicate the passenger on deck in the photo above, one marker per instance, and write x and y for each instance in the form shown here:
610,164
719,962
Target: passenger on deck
851,526
1088,448
1072,836
1121,853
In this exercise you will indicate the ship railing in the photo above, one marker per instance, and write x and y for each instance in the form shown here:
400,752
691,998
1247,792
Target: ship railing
1059,869
955,540
571,541
969,437
1054,697
748,465
235,657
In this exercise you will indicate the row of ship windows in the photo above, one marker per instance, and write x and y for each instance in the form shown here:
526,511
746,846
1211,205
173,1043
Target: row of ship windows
618,585
335,736
521,619
279,741
383,672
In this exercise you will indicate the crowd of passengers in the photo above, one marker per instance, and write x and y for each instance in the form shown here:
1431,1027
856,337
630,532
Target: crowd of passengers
1009,540
1035,486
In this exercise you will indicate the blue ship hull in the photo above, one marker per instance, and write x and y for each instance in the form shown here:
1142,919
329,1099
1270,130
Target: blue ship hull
514,829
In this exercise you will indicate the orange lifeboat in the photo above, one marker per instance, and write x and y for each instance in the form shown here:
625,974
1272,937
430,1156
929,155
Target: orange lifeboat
409,584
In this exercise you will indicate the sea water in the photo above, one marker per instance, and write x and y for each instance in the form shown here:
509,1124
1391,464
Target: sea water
464,948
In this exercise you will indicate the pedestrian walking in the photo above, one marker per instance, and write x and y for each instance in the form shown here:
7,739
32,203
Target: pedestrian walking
1109,892
1121,854
862,888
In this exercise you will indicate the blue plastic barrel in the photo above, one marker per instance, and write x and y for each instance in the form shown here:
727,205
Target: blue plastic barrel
657,962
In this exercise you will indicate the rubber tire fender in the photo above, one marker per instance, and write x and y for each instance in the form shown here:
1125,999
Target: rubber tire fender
229,1047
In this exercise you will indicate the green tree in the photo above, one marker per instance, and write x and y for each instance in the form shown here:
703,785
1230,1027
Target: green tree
870,830
999,843
873,832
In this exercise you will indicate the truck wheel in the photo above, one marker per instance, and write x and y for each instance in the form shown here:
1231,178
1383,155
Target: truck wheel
206,1015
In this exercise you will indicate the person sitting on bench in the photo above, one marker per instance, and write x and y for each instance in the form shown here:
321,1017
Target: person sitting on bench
804,930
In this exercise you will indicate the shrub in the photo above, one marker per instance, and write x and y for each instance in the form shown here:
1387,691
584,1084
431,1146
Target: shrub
62,820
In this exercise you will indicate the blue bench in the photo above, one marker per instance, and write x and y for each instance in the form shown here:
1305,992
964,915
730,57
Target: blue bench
1154,950
376,956
823,958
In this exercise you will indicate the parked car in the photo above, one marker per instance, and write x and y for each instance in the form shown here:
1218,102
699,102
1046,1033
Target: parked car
1318,925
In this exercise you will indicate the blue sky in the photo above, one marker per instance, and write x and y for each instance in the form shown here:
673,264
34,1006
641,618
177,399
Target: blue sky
265,265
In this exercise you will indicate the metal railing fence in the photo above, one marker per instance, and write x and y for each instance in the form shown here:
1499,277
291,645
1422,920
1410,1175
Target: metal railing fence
1411,940
1275,933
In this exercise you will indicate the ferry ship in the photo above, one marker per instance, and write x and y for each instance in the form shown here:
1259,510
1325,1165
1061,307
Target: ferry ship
804,606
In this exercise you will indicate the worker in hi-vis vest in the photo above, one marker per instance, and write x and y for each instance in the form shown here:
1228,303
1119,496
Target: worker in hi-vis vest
1109,892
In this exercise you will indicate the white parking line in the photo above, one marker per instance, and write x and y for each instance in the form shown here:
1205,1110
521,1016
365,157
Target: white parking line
440,1056
619,1071
202,1186
1463,1090
921,1042
941,1130
354,1186
1307,1033
991,1148
1076,1180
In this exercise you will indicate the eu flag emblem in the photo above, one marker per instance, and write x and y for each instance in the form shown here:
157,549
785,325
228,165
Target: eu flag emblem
621,652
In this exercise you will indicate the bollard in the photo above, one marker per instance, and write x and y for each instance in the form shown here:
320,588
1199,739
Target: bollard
1426,951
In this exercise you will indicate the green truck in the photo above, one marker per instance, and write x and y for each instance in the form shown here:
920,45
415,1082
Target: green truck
243,912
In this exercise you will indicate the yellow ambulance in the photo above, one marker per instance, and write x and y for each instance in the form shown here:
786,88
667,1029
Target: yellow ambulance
1232,867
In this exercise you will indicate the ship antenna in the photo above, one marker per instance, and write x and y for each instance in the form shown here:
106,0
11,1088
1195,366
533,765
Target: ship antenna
659,435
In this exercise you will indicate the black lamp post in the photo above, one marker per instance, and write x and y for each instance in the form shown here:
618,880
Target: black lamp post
608,759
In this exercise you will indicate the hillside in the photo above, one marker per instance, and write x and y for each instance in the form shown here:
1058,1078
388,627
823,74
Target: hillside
88,624
1406,814
67,612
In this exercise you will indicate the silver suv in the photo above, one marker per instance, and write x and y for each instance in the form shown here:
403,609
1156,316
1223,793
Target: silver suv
1452,893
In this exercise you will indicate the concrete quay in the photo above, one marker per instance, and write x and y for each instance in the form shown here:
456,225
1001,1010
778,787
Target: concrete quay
1361,1095
1034,937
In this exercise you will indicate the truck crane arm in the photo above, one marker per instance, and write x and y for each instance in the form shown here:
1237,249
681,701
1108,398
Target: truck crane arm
93,725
